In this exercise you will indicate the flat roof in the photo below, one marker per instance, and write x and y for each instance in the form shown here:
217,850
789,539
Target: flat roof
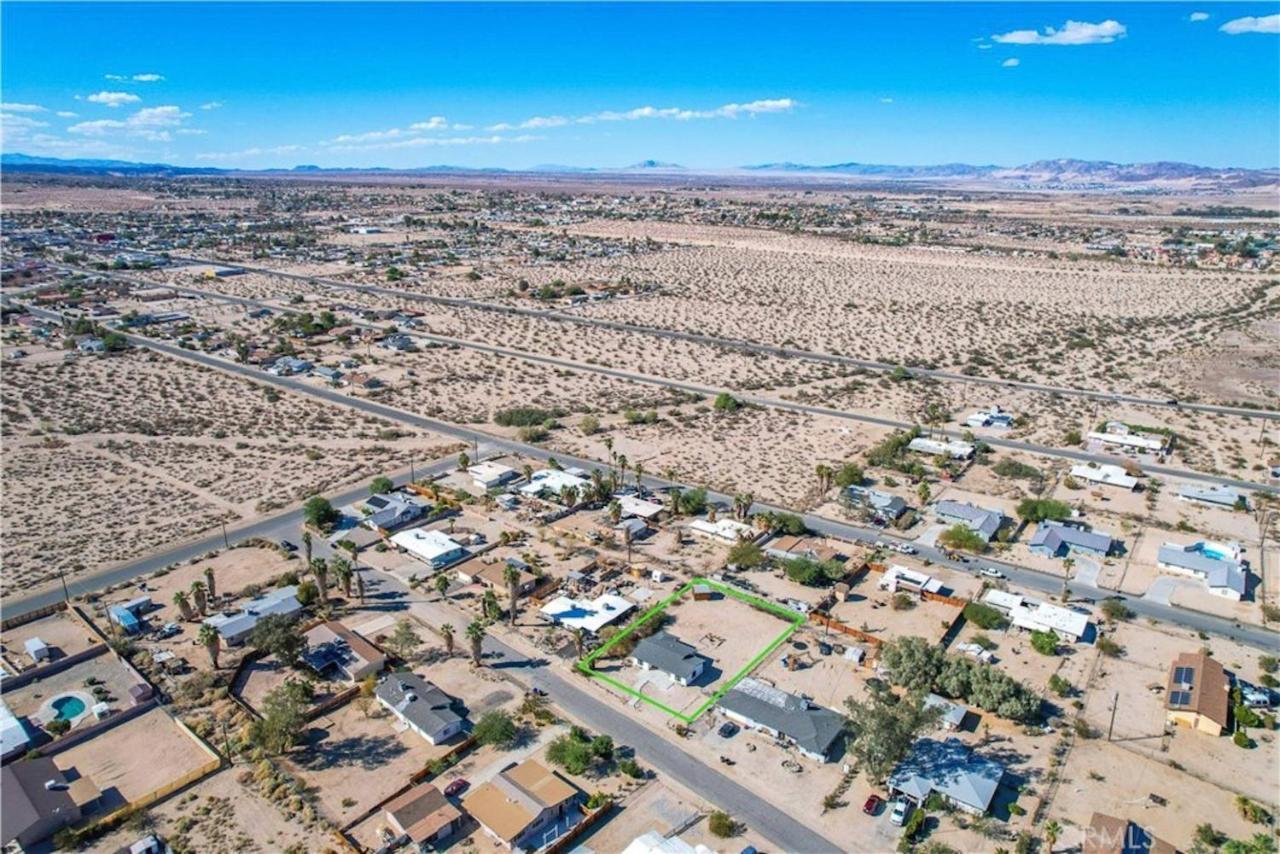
591,616
426,544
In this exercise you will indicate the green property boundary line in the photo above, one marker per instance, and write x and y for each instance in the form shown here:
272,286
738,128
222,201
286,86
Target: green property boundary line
795,619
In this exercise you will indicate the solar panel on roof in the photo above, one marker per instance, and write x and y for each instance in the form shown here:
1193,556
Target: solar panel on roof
1180,698
1184,675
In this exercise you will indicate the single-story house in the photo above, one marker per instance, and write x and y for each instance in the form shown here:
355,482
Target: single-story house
638,508
1106,474
287,366
670,655
129,615
883,504
981,520
632,529
495,575
588,616
1110,835
435,548
423,707
490,475
521,804
1220,496
13,735
1199,693
653,842
949,768
1120,434
391,510
236,628
993,417
1217,564
91,344
951,449
789,547
422,816
1056,539
725,530
548,484
38,650
898,578
39,799
953,714
1035,616
332,375
813,729
333,648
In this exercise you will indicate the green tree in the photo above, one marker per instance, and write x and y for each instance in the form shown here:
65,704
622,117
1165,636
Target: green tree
404,639
284,717
570,753
849,474
1045,643
497,728
746,554
726,402
884,727
475,634
380,485
511,575
277,635
723,825
184,605
446,633
319,513
963,538
442,584
1040,509
209,638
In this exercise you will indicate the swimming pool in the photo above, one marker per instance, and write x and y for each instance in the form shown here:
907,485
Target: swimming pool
68,708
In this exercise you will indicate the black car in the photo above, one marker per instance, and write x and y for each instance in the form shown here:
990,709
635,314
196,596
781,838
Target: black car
288,546
728,729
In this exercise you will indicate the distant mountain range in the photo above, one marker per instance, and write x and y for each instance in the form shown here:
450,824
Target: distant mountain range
1063,172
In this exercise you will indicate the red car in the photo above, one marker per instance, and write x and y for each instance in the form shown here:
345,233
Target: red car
457,787
873,804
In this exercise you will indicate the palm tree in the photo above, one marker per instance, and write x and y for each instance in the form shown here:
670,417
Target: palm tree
342,572
512,576
306,547
626,538
675,501
320,569
598,488
200,595
1051,832
527,471
446,632
711,512
208,582
212,641
360,585
580,642
442,585
1067,565
615,511
622,466
475,634
464,462
608,445
825,475
184,605
640,477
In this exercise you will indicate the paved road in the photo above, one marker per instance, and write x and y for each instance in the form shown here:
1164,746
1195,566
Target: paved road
1073,454
1031,578
740,344
585,706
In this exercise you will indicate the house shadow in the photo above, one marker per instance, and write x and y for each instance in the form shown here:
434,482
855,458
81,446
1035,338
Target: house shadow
369,752
1005,797
709,676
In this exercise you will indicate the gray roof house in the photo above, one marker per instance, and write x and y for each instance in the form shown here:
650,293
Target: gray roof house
949,768
1222,574
953,714
980,520
668,654
422,706
1223,496
390,510
1054,539
883,503
813,729
236,628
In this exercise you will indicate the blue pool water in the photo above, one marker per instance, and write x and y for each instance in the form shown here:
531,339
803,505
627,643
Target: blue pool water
68,708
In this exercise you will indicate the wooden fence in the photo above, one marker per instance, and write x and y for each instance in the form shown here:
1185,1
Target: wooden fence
589,820
31,616
837,626
26,677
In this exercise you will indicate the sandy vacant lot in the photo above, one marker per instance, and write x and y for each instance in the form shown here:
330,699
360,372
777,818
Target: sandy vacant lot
143,451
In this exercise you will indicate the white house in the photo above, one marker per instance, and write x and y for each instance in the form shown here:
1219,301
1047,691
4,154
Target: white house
590,616
435,548
1036,616
1121,435
1106,474
549,483
1219,565
420,706
901,578
726,530
490,475
953,449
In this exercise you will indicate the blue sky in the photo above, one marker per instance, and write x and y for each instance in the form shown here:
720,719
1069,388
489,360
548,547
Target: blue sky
719,85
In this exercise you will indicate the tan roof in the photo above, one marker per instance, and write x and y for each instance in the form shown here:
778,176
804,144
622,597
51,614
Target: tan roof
513,799
495,574
1110,835
422,812
1209,688
332,629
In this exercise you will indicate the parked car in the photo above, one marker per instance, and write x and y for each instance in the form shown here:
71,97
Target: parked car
288,546
991,572
873,805
168,630
906,548
457,787
901,812
728,729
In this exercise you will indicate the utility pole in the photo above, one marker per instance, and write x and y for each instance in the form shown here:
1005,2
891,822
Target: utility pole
412,478
1115,701
66,595
225,542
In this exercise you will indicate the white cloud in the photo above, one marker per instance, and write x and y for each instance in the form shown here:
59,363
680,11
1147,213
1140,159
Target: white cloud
211,105
1072,33
14,121
985,46
727,111
150,123
114,99
1266,24
115,77
148,78
425,141
886,100
248,152
433,123
369,136
1011,62
66,114
1196,17
21,108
